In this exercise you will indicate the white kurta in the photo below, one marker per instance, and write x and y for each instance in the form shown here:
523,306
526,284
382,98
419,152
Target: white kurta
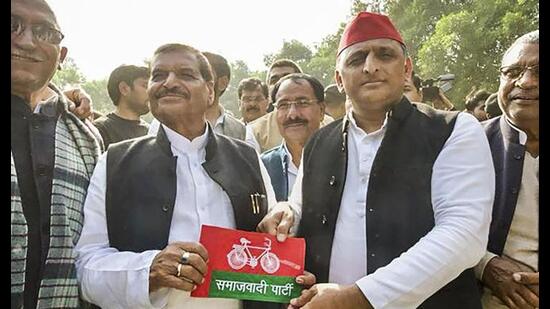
113,279
463,183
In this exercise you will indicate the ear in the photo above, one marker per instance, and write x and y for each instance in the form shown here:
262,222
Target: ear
211,93
322,108
123,88
62,56
338,79
223,82
408,68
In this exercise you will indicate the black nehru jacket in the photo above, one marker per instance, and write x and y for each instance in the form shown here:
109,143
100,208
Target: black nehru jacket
32,145
141,189
398,198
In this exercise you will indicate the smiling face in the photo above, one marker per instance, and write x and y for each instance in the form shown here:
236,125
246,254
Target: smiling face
373,73
299,121
177,90
519,97
33,62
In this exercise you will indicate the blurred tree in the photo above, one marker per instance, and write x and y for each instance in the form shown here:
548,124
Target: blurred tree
293,50
69,75
230,100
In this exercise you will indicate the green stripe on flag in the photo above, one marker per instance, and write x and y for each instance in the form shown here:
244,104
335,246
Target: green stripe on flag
279,289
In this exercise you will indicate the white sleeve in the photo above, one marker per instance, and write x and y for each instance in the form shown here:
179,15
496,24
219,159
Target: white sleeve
463,186
295,198
251,140
109,278
154,127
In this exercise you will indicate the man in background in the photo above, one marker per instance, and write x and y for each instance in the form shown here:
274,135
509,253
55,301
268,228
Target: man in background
253,101
335,102
127,88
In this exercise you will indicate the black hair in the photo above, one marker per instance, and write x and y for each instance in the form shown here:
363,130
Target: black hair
251,84
476,99
491,106
204,66
127,74
318,88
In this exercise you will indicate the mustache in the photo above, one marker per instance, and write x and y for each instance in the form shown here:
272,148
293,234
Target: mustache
295,121
253,108
172,92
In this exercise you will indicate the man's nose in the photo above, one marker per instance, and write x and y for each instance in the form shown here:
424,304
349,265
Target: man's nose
25,40
370,65
171,80
528,80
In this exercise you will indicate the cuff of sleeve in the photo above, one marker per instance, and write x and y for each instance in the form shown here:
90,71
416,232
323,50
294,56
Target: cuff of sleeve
157,299
297,217
369,288
480,267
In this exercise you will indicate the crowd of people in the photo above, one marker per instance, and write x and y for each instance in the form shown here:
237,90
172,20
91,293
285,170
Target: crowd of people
402,203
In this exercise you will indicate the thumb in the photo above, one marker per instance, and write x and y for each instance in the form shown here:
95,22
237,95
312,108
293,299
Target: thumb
526,277
283,229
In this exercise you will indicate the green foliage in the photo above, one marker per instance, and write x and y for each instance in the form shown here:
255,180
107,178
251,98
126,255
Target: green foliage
293,50
69,75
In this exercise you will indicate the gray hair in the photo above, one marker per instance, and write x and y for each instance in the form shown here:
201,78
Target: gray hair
528,38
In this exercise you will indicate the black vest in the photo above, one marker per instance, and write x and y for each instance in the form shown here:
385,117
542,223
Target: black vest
399,204
141,189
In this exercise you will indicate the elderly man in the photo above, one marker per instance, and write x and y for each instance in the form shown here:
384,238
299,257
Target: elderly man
263,133
221,121
253,99
149,196
299,104
53,155
509,269
395,200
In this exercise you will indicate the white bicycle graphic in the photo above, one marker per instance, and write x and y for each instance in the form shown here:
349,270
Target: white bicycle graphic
240,256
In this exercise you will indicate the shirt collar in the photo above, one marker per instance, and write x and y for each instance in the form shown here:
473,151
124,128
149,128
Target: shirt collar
184,145
522,135
357,129
291,164
220,119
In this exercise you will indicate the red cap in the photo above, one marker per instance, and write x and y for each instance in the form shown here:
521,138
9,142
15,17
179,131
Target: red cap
368,26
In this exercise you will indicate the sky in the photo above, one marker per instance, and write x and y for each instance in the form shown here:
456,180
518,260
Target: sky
103,34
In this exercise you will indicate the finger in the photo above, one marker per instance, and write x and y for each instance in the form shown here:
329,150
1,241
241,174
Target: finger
189,273
528,296
307,279
177,283
510,303
193,247
519,301
304,297
534,288
270,222
526,277
283,229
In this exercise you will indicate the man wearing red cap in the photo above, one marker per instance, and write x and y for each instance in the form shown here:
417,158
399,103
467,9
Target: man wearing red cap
394,200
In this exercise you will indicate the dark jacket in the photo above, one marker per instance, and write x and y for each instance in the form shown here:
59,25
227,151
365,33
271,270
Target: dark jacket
141,189
508,155
398,199
276,163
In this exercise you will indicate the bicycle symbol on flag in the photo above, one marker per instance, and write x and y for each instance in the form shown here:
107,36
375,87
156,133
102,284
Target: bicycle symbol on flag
241,256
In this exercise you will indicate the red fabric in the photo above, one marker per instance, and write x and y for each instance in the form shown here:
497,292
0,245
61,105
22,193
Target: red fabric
368,26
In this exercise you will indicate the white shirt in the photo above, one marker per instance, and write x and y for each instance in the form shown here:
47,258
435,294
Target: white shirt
292,170
114,279
218,126
250,139
462,197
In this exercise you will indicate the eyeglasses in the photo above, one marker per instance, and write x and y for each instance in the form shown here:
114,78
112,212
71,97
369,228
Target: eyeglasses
299,104
253,99
40,32
514,72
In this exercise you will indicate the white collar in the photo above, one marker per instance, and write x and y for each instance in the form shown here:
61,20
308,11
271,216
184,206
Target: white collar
184,145
357,129
221,118
522,135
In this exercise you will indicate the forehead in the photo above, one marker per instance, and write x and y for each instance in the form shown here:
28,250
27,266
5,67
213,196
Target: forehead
522,53
33,13
175,59
281,71
254,91
369,45
295,88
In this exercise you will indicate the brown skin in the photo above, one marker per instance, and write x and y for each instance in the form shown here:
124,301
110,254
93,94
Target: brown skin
372,74
498,276
296,125
33,63
164,269
134,100
178,94
519,99
410,91
329,295
253,104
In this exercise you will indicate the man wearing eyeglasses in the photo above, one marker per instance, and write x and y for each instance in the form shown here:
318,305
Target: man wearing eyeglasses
509,269
299,103
53,155
253,100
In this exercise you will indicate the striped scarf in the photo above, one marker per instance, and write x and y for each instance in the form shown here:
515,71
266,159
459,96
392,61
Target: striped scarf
76,153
